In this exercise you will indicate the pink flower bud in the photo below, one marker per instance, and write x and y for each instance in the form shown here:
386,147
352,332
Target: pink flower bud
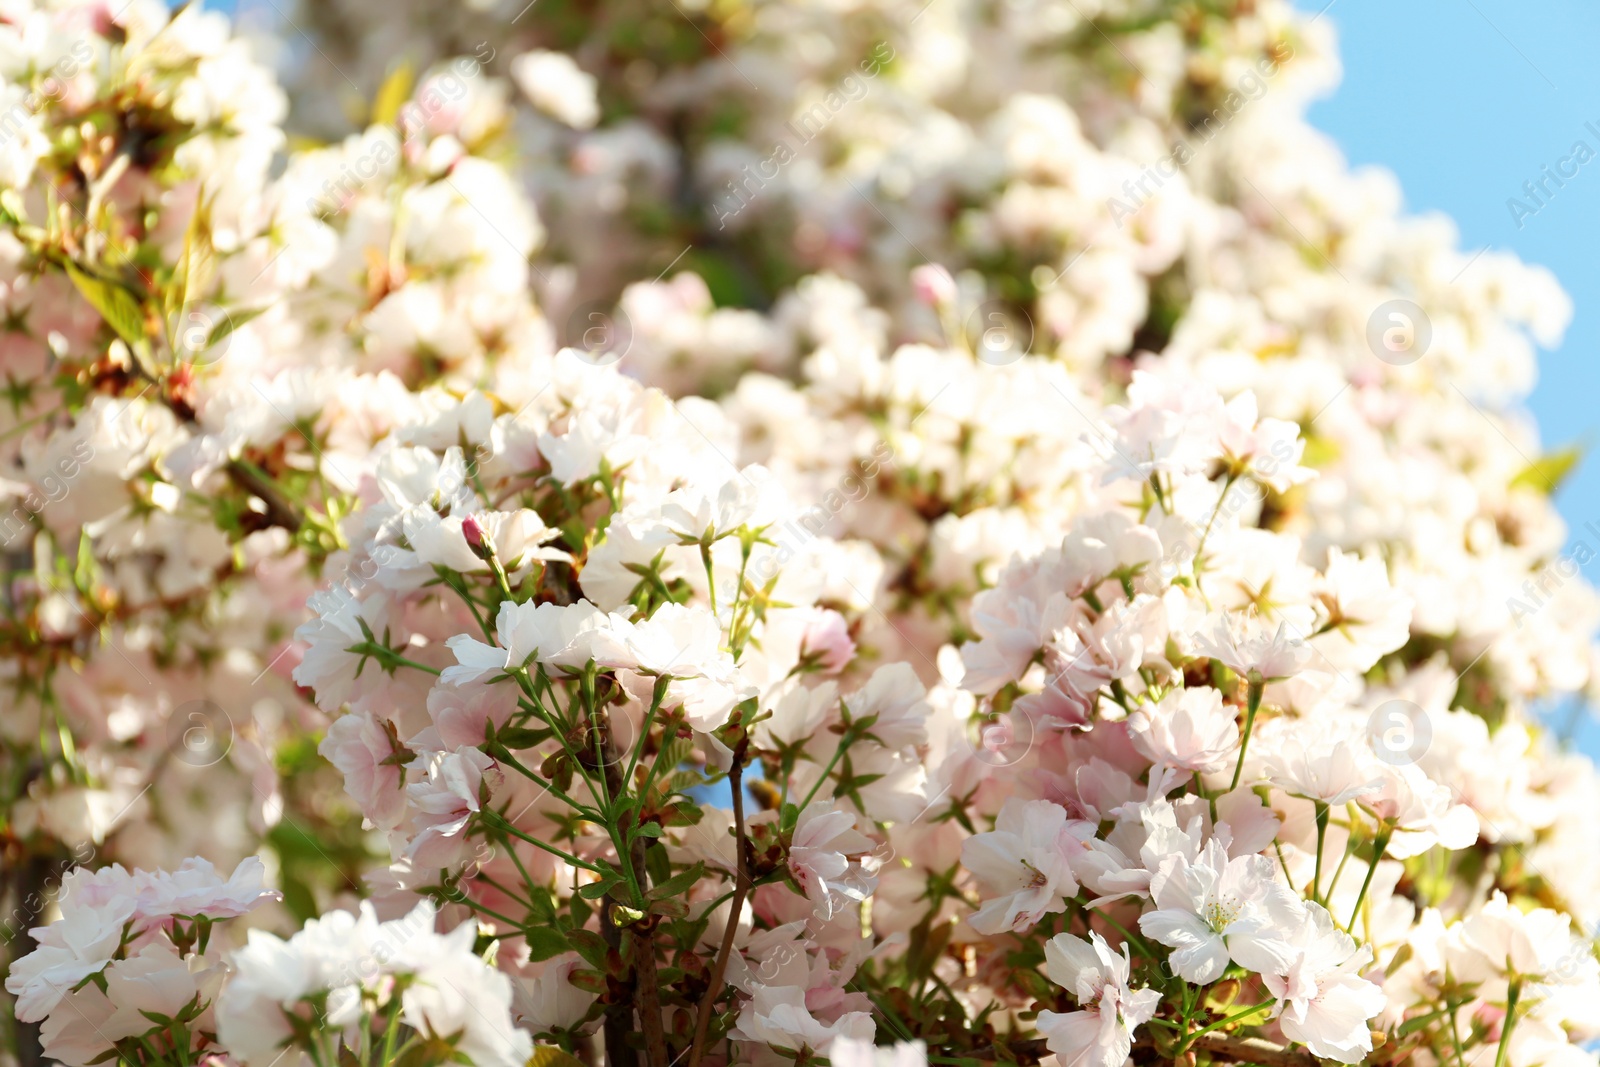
933,285
827,639
477,537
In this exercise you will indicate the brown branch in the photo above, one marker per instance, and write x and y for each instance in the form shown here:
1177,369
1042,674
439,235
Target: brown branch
618,1017
1221,1046
279,511
33,877
641,934
644,959
741,881
1254,1050
644,962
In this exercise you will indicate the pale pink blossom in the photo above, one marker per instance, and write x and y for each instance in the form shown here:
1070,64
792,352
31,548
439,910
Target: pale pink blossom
365,750
1187,728
446,794
1101,1034
1214,910
1322,1000
1024,865
826,640
1245,645
820,858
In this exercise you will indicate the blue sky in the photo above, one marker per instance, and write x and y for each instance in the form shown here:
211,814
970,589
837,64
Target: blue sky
1466,100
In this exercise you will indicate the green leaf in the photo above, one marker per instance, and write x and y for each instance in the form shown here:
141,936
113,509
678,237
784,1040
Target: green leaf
671,907
927,945
197,265
393,94
545,942
230,322
550,1056
678,883
427,1052
116,304
590,945
656,864
1546,473
521,736
596,890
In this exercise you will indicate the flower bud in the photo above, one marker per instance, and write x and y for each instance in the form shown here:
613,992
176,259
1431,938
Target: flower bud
933,285
477,538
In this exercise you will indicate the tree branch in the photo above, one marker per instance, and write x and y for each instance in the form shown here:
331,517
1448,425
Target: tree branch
1221,1046
1254,1050
279,511
741,880
642,940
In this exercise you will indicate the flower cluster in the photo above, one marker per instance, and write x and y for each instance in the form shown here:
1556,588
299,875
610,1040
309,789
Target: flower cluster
772,534
126,968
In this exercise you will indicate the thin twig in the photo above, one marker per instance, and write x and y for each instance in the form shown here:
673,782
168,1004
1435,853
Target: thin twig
1254,1050
702,1022
641,934
618,1017
1221,1046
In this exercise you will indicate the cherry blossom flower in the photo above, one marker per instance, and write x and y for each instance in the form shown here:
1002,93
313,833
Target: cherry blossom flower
1246,646
1101,1034
365,752
1186,728
820,857
1024,864
1321,999
446,794
1216,909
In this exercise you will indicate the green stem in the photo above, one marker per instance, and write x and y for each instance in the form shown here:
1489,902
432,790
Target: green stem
526,905
500,822
844,742
467,902
1338,872
388,657
1455,1035
389,1035
1220,1023
1322,833
742,886
533,888
1200,547
1211,801
460,586
644,731
1379,843
1513,993
555,791
1253,704
526,683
